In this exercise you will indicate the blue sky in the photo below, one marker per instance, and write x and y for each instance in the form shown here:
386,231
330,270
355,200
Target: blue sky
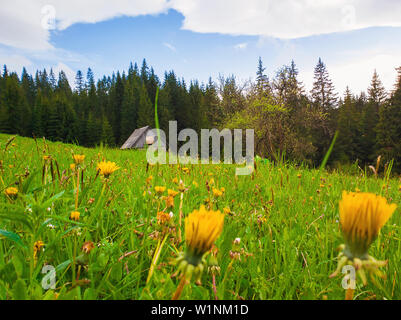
199,40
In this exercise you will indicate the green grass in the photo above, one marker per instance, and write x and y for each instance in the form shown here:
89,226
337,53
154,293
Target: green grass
288,227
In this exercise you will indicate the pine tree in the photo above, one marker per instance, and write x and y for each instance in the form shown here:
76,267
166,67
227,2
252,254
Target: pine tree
323,94
262,81
145,109
107,133
129,111
389,127
377,92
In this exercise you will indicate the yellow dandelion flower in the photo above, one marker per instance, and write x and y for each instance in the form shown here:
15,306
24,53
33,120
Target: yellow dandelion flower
78,158
227,210
217,193
47,158
159,189
75,215
175,180
106,168
11,192
357,190
172,193
163,217
196,184
211,182
186,170
299,175
72,166
169,201
222,189
362,215
202,228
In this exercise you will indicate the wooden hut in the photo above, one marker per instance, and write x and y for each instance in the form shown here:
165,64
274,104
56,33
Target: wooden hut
140,138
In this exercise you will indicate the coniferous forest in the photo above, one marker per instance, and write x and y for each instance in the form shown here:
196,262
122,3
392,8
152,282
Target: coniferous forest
287,119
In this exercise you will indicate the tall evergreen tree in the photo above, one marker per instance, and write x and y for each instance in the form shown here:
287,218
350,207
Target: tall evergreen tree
323,93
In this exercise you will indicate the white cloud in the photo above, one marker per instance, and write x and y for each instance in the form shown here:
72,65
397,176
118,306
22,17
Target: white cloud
67,70
170,46
286,19
357,72
241,46
14,61
23,22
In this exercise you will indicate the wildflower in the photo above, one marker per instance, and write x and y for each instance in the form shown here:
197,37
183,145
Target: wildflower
169,201
159,189
163,217
88,247
186,170
106,168
11,192
37,246
261,219
202,228
78,158
237,241
172,193
357,190
196,184
217,193
74,215
149,179
211,182
47,158
362,215
175,180
72,166
181,186
222,189
226,210
299,175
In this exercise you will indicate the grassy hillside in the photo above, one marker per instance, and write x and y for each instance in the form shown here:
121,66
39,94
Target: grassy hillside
286,217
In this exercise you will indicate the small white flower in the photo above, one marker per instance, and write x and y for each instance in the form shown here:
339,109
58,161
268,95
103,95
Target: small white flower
237,241
171,214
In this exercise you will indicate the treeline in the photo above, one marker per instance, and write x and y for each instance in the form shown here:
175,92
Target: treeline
287,119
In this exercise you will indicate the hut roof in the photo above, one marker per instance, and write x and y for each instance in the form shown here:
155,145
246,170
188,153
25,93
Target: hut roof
135,137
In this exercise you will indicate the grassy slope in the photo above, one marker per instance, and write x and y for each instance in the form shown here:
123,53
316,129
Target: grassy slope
288,225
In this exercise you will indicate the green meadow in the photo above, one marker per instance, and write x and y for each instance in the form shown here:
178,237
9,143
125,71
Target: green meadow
285,216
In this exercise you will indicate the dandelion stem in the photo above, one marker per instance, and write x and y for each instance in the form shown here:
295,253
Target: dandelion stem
180,287
180,219
349,294
76,195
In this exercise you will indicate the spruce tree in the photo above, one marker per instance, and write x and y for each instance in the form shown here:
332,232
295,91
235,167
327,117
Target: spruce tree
323,93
